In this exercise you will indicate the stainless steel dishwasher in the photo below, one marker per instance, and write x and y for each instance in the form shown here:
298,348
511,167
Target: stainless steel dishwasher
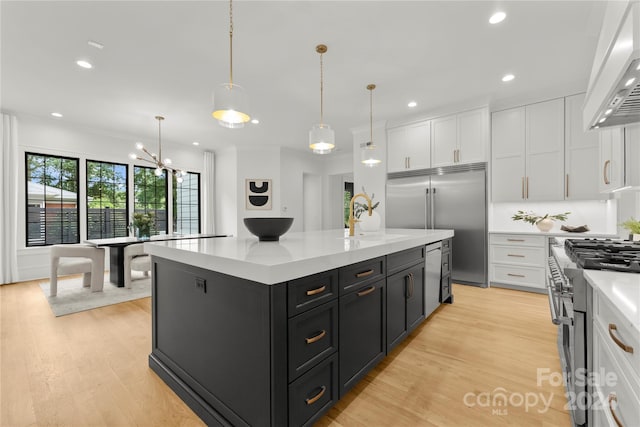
433,264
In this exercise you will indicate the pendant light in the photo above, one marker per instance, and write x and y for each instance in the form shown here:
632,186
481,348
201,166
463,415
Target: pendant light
321,136
229,99
370,156
156,159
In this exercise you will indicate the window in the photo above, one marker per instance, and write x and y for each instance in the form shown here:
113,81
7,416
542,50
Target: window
107,214
186,204
150,193
52,200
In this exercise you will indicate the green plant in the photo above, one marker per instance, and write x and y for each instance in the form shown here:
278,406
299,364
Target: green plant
144,222
533,218
359,208
632,224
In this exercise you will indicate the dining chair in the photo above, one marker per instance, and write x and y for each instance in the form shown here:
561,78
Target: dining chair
74,259
135,260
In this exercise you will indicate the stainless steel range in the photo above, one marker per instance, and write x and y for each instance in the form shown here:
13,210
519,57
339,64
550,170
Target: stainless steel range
571,301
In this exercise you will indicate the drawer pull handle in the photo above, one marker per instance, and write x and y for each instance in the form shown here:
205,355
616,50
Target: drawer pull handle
627,348
315,398
366,291
516,255
364,273
515,240
316,338
605,171
316,290
613,398
515,275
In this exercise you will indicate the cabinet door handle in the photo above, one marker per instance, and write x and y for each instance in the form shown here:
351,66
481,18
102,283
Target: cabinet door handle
413,285
527,192
566,185
316,290
515,240
522,185
613,398
364,273
315,398
409,162
605,172
619,343
516,255
366,291
408,286
515,275
315,338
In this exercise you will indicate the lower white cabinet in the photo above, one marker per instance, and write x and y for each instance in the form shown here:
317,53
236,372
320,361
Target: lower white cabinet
616,399
517,259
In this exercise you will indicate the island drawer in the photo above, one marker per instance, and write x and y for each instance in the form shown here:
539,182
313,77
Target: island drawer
314,393
403,259
352,276
516,240
313,335
311,291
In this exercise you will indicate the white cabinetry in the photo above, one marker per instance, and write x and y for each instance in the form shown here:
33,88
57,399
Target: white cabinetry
409,147
459,138
581,151
517,259
616,363
611,169
528,152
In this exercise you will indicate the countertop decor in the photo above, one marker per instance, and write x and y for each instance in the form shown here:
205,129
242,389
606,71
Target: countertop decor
633,225
142,224
543,222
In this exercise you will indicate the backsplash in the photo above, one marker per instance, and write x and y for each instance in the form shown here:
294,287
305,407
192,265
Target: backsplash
599,216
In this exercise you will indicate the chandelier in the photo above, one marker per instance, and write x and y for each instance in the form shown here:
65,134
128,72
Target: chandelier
322,139
229,99
156,159
370,156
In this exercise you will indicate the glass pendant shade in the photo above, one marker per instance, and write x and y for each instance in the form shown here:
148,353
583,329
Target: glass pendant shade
230,103
369,155
322,139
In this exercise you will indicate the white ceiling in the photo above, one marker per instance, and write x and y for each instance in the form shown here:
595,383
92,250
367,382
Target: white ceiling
165,57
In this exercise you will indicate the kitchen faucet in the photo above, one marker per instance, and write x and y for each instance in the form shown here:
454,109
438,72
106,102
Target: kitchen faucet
352,220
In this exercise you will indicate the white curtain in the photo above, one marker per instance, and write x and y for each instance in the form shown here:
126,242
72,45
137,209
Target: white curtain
9,197
209,193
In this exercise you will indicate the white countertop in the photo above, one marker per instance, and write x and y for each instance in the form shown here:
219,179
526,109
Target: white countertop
621,289
295,255
560,233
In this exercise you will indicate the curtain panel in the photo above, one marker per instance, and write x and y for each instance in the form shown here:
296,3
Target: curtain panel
9,197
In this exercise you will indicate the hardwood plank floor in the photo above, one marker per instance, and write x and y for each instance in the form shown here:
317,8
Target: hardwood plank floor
90,368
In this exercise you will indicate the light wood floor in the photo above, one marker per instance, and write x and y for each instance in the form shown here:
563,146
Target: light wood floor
90,368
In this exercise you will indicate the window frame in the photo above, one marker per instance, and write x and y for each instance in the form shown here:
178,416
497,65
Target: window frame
26,204
86,198
174,212
166,196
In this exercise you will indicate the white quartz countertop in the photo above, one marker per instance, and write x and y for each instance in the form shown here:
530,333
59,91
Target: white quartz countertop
559,233
295,255
621,289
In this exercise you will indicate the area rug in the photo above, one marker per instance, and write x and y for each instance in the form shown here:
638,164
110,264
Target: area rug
72,297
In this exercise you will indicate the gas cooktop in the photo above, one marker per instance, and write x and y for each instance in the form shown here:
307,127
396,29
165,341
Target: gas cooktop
604,254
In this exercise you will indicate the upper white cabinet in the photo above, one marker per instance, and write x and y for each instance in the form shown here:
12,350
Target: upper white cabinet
408,147
459,138
580,154
528,152
610,171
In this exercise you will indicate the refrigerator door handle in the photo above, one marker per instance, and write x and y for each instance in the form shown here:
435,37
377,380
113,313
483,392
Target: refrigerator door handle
427,210
432,213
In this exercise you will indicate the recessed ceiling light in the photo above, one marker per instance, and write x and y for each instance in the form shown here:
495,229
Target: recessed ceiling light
412,104
602,120
497,17
609,111
630,81
195,143
95,44
255,121
84,64
508,77
58,115
638,67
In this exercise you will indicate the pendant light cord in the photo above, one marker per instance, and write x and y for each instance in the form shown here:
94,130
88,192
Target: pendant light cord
321,91
160,119
371,115
231,44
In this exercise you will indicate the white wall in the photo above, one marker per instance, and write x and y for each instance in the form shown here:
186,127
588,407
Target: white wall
338,169
226,192
57,137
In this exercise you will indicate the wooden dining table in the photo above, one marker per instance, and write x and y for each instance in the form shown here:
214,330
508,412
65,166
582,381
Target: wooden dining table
116,247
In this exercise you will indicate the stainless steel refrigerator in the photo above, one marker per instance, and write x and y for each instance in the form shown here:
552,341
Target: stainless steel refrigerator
453,197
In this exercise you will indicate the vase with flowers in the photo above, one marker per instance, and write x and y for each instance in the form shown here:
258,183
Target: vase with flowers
142,224
633,226
543,222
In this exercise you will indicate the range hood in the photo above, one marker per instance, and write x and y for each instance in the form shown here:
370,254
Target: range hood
613,95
